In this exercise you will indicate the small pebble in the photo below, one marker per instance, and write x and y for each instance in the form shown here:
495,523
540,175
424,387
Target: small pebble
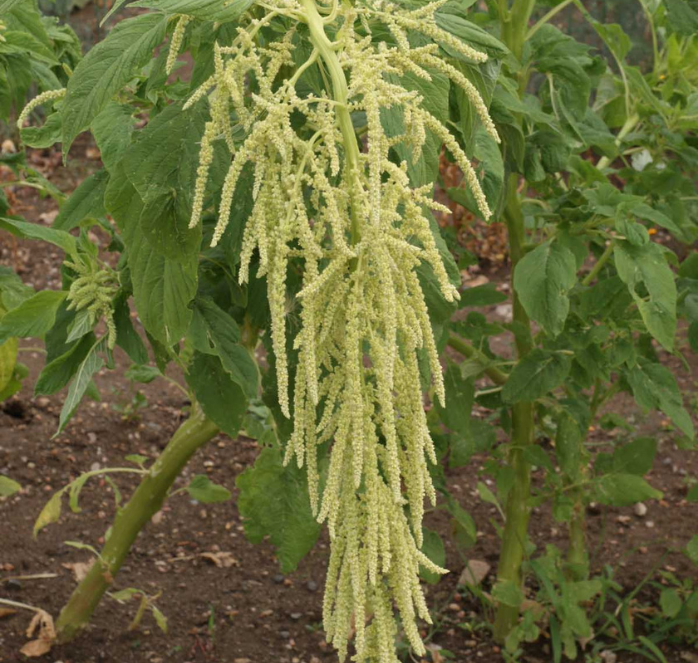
312,585
295,616
278,578
12,584
640,510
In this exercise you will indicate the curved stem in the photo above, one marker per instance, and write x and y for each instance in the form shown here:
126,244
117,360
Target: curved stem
340,93
146,501
467,350
548,17
596,270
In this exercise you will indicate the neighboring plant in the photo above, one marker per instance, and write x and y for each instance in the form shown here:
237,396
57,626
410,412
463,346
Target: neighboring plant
595,299
336,230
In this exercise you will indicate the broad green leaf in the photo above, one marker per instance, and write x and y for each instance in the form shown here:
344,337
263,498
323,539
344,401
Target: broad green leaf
112,130
483,295
33,317
470,33
12,290
6,5
127,337
542,280
692,549
58,373
79,386
8,486
224,334
106,68
460,393
220,397
539,372
86,202
273,502
479,438
655,387
670,602
203,490
433,548
206,10
636,457
164,158
44,136
624,490
143,373
160,618
162,288
59,238
645,266
682,17
462,525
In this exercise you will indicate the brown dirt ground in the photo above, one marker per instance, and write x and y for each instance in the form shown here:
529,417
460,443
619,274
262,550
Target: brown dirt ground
248,612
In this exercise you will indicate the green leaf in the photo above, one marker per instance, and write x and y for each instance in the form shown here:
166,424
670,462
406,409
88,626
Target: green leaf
542,280
670,603
203,490
273,502
58,373
482,295
470,34
127,337
624,490
8,486
59,238
646,266
143,373
636,457
538,373
160,619
106,68
682,17
44,136
86,202
655,387
460,393
6,5
224,334
220,397
50,513
78,387
162,288
692,549
112,130
433,548
206,10
164,159
33,317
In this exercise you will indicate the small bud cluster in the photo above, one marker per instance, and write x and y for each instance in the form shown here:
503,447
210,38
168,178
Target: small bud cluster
176,42
360,228
93,290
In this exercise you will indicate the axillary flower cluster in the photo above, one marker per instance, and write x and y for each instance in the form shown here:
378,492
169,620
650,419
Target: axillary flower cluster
350,215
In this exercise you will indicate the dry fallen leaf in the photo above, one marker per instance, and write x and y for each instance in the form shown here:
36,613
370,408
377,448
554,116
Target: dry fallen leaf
79,569
7,612
223,560
43,622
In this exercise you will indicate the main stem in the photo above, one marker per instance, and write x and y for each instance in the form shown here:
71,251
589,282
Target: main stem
340,94
146,501
517,507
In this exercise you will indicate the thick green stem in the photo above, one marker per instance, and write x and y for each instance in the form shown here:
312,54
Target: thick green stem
629,125
468,351
596,270
146,501
340,94
517,507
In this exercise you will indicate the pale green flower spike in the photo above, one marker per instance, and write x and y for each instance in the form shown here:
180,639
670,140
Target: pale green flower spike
49,95
94,291
176,42
360,227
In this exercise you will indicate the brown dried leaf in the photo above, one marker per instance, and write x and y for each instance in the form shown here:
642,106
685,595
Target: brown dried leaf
223,560
7,612
79,569
36,648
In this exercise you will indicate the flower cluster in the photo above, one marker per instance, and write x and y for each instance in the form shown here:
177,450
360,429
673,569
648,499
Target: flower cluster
93,290
353,218
39,100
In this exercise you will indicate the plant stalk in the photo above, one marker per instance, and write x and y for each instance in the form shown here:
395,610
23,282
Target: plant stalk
146,501
468,351
517,507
